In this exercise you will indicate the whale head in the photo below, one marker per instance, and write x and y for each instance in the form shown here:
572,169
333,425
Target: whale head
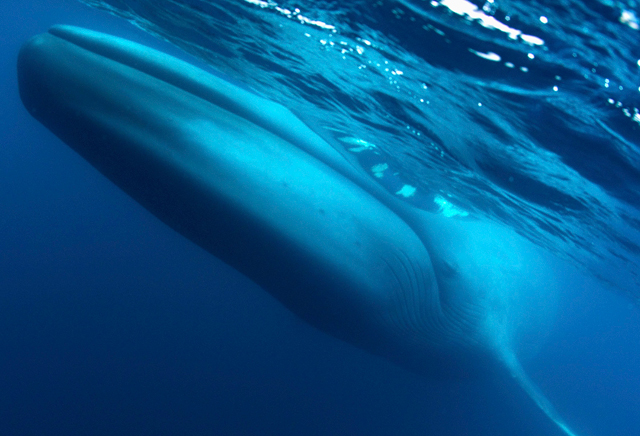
244,179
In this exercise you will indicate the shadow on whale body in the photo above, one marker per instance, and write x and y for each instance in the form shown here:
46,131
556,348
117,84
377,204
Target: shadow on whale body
249,182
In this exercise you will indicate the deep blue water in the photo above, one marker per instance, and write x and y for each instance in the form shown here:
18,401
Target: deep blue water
113,324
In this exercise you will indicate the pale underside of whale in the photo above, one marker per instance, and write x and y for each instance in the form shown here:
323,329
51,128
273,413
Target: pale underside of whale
246,180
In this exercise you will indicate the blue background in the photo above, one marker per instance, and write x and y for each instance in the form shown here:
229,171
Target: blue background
111,323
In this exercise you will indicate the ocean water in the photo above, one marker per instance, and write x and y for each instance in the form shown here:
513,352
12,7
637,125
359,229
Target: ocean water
523,113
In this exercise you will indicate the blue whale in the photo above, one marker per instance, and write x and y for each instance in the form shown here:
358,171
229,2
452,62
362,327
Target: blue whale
246,180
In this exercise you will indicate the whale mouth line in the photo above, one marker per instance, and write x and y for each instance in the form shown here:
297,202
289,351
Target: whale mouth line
158,65
137,56
92,41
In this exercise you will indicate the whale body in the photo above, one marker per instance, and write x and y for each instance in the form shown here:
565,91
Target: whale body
246,180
